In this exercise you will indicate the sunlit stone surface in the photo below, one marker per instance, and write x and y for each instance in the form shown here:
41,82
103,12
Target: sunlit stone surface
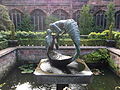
77,70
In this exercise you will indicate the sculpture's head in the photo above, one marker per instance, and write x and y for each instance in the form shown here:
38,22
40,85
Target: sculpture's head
51,26
49,31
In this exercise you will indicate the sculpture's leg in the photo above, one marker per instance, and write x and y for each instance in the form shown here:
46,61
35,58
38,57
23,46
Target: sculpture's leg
75,36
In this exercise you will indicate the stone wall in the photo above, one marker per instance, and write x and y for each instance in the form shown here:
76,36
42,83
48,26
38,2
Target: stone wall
34,54
9,56
115,56
49,6
62,9
7,61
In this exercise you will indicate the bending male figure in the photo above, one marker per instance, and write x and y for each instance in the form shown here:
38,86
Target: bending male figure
68,26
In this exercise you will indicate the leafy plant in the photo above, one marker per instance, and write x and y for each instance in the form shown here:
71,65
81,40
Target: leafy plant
27,68
1,85
50,19
3,44
113,65
100,55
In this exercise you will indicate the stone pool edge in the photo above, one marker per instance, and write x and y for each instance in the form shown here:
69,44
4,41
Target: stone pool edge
33,54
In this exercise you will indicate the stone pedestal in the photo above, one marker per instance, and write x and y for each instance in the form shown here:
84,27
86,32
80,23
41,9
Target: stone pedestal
76,72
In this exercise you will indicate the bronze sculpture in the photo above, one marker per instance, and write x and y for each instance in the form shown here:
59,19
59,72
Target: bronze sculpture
58,68
59,28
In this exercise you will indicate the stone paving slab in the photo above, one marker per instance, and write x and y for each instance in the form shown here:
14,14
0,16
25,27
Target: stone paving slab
6,51
114,50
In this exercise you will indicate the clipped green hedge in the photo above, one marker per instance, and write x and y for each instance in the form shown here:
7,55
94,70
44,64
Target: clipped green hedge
32,35
93,42
23,35
31,42
5,34
104,35
3,44
84,42
62,42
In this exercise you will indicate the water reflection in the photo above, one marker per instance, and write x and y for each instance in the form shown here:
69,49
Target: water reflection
17,81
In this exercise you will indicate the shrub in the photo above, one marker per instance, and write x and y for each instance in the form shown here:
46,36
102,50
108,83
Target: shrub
25,24
31,42
94,35
118,44
62,42
116,35
30,35
93,42
112,64
50,19
5,23
100,55
3,44
104,35
6,35
2,37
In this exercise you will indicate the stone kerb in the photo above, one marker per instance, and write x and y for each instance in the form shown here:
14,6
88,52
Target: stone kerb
115,56
7,61
34,54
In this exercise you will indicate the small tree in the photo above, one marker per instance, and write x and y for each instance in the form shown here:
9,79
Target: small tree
86,20
110,14
25,24
5,23
50,19
110,18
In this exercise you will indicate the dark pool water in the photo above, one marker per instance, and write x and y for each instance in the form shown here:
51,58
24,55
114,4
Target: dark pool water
17,81
106,81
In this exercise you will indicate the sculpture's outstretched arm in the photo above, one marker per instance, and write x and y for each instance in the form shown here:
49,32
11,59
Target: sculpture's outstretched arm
56,28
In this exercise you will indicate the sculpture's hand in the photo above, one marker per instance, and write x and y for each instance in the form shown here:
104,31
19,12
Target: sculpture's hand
62,33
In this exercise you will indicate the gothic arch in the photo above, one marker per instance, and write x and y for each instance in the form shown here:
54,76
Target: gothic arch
38,10
38,19
61,14
76,15
16,16
100,19
117,19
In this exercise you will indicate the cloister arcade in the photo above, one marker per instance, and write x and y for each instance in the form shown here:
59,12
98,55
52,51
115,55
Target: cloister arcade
38,17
